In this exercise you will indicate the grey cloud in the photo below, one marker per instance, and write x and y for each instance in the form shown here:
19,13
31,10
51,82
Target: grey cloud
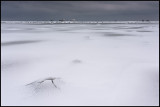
81,10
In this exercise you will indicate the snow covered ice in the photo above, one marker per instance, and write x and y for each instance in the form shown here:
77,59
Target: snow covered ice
98,64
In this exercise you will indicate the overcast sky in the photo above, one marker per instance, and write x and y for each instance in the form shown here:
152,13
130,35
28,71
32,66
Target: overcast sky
80,10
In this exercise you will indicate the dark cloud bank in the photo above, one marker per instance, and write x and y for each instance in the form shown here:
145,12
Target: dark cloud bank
79,10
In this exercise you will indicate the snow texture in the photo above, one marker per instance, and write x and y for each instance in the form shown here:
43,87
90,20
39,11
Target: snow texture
96,64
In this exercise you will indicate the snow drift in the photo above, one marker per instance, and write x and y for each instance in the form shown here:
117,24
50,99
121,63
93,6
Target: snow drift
99,64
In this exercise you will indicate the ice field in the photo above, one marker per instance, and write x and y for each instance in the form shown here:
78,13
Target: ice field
95,64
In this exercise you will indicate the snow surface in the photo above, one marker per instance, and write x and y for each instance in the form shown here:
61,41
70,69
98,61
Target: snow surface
98,64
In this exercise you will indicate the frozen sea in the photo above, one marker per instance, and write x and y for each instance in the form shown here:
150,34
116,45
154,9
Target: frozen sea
96,64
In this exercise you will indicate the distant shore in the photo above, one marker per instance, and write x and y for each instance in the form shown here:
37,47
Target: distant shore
80,22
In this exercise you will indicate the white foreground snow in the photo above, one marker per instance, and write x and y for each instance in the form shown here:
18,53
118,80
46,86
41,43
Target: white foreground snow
98,64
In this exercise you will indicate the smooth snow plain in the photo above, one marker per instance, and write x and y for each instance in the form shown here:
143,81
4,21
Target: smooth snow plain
97,64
